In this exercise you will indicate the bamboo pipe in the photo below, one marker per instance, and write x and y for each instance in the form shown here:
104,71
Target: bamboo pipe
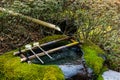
45,44
43,23
50,51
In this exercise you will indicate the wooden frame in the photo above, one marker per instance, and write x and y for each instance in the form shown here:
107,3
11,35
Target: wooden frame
71,39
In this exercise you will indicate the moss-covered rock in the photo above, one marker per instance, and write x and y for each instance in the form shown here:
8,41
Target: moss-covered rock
93,56
12,69
51,38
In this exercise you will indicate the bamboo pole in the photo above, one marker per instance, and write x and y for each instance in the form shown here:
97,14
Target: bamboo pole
22,56
43,23
50,51
45,52
45,44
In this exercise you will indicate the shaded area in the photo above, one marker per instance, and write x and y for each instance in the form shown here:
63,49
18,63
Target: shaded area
70,55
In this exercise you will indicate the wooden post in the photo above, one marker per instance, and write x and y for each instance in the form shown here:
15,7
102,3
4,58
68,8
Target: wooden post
43,23
50,51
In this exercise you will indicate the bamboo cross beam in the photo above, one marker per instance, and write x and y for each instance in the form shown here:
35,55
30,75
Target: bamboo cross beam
43,23
23,56
37,45
30,48
50,51
45,44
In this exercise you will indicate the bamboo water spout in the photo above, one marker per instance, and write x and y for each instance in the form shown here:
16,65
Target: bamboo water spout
43,23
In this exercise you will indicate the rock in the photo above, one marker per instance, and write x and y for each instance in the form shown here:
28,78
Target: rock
12,69
72,70
111,75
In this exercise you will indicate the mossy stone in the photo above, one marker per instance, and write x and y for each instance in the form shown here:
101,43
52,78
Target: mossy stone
12,69
91,55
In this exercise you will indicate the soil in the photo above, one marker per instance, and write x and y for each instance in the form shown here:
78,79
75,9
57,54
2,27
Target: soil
10,42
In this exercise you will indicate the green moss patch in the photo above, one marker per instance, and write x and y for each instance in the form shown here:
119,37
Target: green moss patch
92,55
51,38
12,69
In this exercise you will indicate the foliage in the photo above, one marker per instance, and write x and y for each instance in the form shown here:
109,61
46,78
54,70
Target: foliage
12,68
16,31
97,20
114,61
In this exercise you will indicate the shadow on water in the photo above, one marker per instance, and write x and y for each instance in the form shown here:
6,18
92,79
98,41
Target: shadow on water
70,55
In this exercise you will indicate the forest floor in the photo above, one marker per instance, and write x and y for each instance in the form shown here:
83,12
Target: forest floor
10,42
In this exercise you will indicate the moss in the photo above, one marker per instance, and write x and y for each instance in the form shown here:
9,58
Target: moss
12,69
101,72
100,77
92,55
51,38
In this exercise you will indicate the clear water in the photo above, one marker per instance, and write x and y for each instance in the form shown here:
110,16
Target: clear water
65,56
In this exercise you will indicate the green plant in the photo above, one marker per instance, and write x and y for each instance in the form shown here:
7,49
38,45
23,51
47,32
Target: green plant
114,61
